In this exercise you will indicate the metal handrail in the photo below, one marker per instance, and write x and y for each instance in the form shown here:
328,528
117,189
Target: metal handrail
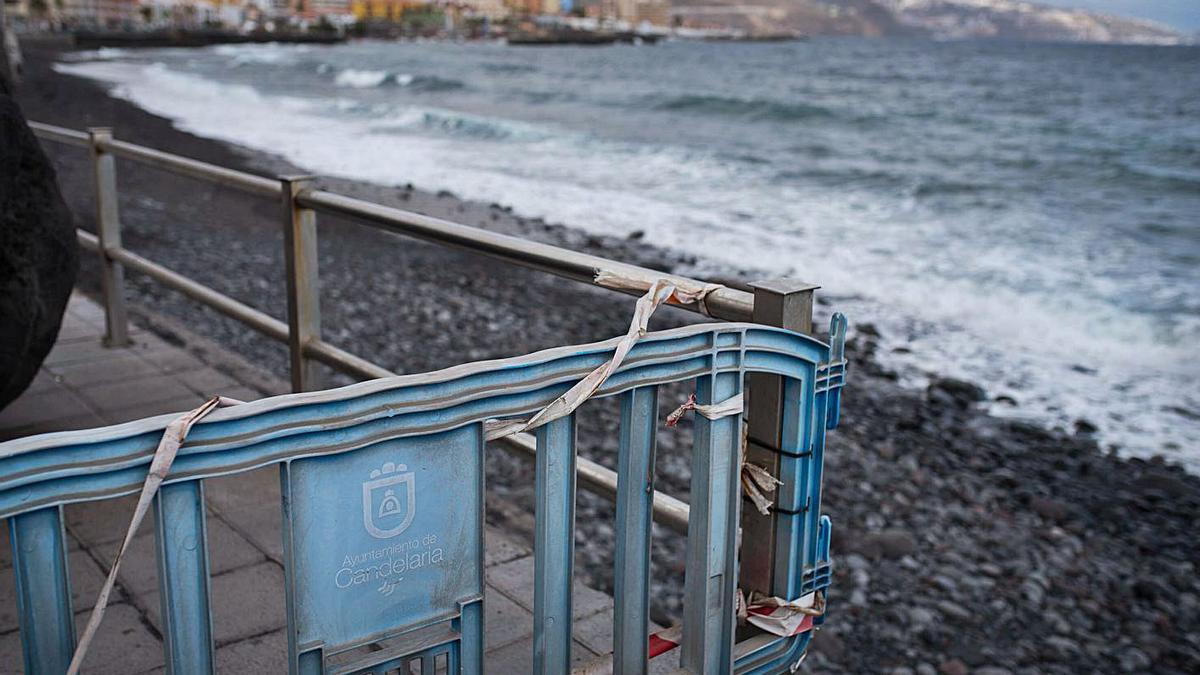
724,303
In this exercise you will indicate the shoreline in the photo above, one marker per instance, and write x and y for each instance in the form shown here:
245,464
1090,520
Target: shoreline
960,537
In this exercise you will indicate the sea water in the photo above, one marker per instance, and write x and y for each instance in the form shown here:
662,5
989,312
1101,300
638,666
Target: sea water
1024,216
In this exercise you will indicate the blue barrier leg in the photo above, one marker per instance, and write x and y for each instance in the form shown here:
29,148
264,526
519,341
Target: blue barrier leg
554,546
635,490
711,578
183,577
43,590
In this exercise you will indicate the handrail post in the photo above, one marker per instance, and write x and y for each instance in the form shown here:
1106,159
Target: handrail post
108,229
783,303
303,283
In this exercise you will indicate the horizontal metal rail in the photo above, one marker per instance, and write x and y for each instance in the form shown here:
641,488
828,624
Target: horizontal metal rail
723,303
259,321
59,134
193,168
668,510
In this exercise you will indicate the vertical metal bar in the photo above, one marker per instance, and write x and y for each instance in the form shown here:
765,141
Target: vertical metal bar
303,282
711,576
108,229
43,590
792,498
635,492
471,645
784,303
183,577
428,664
554,546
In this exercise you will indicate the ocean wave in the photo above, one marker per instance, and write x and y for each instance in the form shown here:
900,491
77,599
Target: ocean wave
370,79
731,106
509,68
362,79
271,53
412,119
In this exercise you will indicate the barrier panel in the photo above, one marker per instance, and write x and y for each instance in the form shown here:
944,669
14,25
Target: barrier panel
383,489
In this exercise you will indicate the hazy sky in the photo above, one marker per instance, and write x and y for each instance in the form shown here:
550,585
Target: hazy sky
1181,14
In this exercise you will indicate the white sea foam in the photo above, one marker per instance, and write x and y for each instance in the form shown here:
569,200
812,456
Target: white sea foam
361,79
1061,352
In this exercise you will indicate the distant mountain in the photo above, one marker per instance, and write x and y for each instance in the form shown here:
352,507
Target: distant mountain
938,19
1016,19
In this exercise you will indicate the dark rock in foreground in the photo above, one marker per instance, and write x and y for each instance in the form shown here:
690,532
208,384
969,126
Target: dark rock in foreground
39,256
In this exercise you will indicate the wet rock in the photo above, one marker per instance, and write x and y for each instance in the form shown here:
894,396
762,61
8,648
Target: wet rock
953,667
890,544
1050,509
1162,483
1133,660
1059,648
953,610
830,646
39,256
957,392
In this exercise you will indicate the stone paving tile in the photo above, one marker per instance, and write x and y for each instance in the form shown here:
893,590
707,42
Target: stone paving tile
100,522
83,307
250,502
245,602
74,329
515,579
140,393
43,409
243,394
517,658
82,374
500,548
207,382
85,421
86,579
64,353
504,621
170,359
122,645
42,382
227,550
259,654
174,406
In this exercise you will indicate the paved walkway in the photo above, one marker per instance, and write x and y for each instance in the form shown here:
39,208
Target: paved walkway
83,384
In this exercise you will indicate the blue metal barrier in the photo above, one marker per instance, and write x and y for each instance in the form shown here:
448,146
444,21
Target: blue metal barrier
382,487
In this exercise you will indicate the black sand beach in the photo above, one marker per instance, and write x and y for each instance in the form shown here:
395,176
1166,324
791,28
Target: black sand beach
963,543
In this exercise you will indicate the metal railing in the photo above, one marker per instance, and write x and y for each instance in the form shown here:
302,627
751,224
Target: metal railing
784,303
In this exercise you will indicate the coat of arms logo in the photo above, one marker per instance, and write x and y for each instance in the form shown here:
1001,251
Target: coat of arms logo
389,501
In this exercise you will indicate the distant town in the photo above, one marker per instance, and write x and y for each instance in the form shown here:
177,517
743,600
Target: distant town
589,21
380,18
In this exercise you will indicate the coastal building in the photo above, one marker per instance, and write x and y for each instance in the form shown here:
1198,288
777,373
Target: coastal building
101,13
533,7
492,9
653,12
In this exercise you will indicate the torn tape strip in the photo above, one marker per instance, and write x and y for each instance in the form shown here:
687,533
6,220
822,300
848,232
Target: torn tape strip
659,292
160,465
715,411
685,293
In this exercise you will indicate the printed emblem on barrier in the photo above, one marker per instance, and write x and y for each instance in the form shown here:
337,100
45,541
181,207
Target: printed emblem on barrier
389,501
